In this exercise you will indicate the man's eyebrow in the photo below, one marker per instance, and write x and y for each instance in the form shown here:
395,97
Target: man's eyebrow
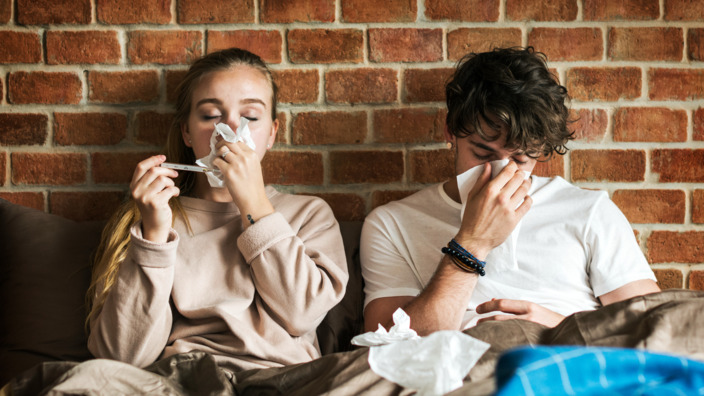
483,146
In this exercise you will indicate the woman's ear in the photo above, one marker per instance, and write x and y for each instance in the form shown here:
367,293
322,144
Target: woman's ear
272,135
187,140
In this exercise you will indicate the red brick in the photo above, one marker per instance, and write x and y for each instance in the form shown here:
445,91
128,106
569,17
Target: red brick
608,10
333,127
669,278
123,87
463,10
3,162
164,47
44,88
426,85
297,86
538,10
431,166
698,206
416,125
684,10
603,84
85,206
555,166
53,12
679,165
325,46
345,207
465,40
276,11
645,44
590,125
198,11
267,44
364,85
650,124
676,84
383,197
5,11
405,45
651,206
89,128
49,168
347,167
79,47
116,167
695,44
676,247
18,129
173,78
291,168
120,12
33,200
369,11
153,128
568,44
20,47
607,165
696,280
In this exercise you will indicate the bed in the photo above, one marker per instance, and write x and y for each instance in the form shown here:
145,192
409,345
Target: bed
45,271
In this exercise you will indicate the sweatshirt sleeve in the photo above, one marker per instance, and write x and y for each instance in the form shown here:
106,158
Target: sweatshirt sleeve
135,321
301,273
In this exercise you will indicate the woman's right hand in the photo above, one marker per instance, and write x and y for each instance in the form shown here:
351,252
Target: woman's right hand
494,208
152,187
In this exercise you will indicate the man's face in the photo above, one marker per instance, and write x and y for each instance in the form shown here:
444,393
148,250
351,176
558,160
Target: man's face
472,150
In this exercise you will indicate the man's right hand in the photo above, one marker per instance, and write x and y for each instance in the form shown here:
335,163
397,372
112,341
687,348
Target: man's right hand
494,208
152,187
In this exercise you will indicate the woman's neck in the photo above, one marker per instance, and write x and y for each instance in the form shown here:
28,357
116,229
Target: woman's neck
203,190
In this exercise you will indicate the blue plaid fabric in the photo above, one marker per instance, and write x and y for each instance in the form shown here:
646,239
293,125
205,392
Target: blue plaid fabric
569,370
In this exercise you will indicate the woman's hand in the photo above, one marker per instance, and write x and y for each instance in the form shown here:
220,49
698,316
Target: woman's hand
242,173
520,309
493,210
151,188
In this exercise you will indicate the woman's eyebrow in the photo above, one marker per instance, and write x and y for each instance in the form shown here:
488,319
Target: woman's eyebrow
253,100
209,100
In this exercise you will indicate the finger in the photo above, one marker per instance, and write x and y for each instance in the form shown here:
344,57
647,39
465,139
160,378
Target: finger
150,175
145,191
144,166
506,174
503,305
521,193
525,206
497,318
482,181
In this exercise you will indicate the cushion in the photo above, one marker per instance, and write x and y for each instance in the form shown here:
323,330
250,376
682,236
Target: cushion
44,274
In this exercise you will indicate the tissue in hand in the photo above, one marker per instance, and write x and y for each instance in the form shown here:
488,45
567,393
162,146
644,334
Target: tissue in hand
401,330
502,257
243,134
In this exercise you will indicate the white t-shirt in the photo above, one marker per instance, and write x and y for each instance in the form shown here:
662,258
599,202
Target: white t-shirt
574,245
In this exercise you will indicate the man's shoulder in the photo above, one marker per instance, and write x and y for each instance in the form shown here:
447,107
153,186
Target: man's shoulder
552,189
418,202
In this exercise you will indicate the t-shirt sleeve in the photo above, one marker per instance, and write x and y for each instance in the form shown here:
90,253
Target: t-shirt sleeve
386,271
616,258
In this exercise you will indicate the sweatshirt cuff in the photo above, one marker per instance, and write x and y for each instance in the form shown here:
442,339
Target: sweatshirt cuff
150,254
261,235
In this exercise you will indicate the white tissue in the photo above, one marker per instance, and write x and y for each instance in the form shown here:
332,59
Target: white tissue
434,365
502,257
243,134
401,330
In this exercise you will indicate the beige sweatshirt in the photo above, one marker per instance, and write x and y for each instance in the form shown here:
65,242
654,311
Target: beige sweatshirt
253,299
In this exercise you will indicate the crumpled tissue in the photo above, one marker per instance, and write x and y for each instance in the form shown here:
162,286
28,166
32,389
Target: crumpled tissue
401,330
243,134
503,257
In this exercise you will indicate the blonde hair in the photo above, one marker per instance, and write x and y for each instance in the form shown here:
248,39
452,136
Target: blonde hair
116,234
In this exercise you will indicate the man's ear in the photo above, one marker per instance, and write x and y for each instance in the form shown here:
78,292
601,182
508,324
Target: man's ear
187,140
450,138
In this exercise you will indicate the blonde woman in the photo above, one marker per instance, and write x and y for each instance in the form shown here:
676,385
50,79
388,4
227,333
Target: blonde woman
242,272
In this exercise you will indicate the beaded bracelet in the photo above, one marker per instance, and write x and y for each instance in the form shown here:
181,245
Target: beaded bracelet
251,220
466,262
464,267
454,245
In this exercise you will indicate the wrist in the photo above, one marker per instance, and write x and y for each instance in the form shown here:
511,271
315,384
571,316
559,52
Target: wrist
476,247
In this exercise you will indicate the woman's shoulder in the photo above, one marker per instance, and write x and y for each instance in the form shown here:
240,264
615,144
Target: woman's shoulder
298,203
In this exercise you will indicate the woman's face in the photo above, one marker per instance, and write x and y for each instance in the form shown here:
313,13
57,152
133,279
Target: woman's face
224,97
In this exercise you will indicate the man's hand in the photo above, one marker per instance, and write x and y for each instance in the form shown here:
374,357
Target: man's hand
520,309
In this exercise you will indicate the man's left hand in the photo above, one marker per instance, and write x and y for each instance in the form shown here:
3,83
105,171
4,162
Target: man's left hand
520,309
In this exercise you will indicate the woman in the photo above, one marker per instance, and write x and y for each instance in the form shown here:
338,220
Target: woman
242,272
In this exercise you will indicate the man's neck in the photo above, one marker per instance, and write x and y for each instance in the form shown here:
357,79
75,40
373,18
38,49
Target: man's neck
452,190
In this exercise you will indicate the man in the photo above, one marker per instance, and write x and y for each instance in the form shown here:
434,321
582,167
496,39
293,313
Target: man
574,250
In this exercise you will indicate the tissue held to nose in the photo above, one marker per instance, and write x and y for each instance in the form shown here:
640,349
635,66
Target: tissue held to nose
242,134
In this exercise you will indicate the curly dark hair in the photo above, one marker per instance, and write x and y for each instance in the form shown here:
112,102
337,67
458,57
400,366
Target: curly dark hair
515,86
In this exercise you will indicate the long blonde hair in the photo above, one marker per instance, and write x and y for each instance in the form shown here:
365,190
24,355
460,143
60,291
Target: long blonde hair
116,234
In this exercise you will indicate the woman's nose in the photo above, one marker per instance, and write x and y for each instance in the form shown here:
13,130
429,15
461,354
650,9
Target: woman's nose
233,121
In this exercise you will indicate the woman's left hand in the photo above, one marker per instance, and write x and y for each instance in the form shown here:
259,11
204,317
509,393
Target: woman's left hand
520,309
242,173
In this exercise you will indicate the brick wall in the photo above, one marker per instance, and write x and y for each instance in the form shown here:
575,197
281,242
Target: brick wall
86,88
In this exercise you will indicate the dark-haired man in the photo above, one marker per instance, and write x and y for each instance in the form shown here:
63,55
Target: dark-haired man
574,250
